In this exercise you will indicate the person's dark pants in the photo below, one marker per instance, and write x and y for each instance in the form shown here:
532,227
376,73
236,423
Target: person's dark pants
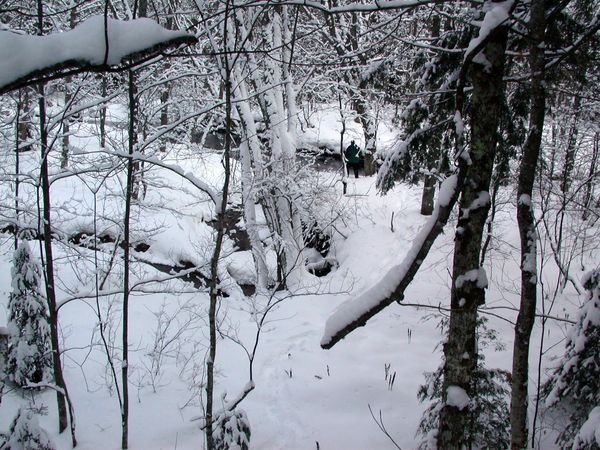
354,167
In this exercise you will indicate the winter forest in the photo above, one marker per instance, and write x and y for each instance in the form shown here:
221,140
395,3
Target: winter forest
299,224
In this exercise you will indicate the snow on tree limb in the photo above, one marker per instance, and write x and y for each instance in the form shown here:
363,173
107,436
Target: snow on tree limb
214,195
377,5
27,59
498,14
356,312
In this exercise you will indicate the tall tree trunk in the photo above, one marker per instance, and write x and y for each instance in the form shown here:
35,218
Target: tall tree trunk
249,151
66,128
102,113
129,196
164,114
24,122
468,280
49,266
571,148
589,183
61,392
64,157
17,169
527,232
221,224
429,182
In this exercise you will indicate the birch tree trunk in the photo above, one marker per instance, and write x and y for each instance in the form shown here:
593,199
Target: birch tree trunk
250,153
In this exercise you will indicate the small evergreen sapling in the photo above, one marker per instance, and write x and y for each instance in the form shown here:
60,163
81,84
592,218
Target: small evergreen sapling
574,387
489,407
25,433
29,358
231,431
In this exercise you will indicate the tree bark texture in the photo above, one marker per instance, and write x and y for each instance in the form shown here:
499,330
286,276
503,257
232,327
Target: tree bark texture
527,232
427,199
571,148
368,123
589,185
24,122
460,350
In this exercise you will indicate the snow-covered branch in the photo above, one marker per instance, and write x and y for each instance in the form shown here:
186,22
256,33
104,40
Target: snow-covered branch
26,59
198,183
357,311
350,7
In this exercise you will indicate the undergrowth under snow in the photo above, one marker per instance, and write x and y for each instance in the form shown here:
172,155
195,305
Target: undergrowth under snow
304,395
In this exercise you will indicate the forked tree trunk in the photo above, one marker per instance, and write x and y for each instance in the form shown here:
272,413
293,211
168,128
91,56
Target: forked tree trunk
527,232
468,282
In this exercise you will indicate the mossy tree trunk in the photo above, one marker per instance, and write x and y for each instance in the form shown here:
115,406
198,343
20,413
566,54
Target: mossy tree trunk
468,284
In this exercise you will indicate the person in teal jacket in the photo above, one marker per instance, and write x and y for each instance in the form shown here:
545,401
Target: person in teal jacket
352,157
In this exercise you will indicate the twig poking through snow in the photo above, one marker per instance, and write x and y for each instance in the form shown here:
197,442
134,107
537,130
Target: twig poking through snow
381,426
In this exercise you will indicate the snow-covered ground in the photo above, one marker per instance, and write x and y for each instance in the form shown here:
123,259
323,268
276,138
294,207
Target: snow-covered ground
305,397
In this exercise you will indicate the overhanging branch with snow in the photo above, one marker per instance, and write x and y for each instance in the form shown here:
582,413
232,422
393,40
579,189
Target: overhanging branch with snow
356,312
26,60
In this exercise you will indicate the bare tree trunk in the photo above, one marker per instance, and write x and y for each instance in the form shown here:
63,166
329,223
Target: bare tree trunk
165,93
214,263
142,10
24,122
468,280
61,392
427,200
527,231
249,150
571,148
66,129
49,265
369,127
589,184
64,157
102,113
17,168
342,146
129,196
164,114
